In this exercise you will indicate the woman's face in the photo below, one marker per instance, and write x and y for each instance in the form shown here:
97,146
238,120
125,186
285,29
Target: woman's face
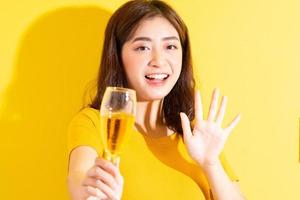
152,59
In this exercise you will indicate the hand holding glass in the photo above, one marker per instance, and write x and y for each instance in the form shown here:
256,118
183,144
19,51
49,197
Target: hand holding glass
117,116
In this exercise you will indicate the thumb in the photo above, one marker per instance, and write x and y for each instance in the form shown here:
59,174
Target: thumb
185,124
117,162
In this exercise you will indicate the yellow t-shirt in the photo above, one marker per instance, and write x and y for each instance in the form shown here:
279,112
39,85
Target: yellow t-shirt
153,168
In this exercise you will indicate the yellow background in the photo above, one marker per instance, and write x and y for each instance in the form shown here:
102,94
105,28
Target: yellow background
49,53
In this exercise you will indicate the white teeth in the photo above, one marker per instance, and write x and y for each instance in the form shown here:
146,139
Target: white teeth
157,76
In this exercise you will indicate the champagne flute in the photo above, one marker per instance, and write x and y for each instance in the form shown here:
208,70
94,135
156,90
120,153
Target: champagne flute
117,116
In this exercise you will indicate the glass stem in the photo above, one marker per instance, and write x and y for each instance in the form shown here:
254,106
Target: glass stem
113,158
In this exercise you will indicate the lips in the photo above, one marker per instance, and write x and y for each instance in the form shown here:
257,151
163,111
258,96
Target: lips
157,76
157,79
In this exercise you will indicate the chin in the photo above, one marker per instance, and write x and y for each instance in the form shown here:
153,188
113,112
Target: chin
152,96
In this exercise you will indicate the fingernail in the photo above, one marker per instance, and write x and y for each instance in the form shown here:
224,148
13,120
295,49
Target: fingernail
181,114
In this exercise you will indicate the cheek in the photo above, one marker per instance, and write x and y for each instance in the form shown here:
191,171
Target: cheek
133,70
177,63
133,67
133,62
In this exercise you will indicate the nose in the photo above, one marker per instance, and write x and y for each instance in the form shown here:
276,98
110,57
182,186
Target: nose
157,59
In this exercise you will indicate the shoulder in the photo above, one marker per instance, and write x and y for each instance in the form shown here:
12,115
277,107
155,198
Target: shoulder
89,113
86,117
83,129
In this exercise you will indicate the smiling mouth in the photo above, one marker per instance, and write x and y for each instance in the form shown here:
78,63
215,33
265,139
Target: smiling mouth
157,77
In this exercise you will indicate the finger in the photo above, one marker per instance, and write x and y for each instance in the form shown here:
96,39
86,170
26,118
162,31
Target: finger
90,182
111,168
95,183
109,192
213,105
221,113
231,126
198,106
106,177
117,164
107,166
96,193
93,198
185,124
112,194
118,175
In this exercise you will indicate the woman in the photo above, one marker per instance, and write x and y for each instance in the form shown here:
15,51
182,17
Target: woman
147,48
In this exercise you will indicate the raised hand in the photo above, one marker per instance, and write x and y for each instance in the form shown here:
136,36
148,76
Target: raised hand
207,139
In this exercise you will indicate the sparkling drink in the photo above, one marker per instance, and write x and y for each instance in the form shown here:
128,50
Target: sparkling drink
117,116
116,129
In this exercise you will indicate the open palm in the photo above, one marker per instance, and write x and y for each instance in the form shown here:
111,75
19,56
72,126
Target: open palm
207,139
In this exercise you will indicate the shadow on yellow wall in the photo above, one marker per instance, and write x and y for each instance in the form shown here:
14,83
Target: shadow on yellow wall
57,54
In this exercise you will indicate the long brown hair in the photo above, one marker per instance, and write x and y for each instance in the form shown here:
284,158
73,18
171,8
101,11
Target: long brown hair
119,29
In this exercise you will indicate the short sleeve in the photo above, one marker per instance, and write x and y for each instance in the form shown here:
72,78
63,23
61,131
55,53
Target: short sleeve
228,169
84,130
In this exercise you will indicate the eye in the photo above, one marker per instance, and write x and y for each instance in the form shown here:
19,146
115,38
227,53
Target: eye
171,47
142,48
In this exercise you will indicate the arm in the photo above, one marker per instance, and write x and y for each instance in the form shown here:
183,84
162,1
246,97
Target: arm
221,186
81,160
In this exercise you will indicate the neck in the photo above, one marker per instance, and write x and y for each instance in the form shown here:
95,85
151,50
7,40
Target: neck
149,118
149,113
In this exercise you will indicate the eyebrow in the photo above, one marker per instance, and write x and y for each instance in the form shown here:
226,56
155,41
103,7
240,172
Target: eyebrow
149,39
